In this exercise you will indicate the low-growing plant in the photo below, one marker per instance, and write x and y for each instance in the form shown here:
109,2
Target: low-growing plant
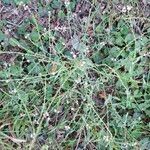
80,80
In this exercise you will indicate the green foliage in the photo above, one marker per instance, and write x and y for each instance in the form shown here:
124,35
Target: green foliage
79,81
2,36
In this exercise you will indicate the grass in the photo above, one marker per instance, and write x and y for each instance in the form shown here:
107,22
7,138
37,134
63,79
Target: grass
80,80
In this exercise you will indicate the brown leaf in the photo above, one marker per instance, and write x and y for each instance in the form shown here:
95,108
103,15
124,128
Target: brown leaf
102,95
53,68
90,31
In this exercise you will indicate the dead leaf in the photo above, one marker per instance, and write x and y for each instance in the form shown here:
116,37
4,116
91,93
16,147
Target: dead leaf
53,68
90,31
102,95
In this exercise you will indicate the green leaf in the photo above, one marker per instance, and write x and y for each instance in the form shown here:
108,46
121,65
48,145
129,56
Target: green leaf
119,41
35,68
129,38
61,14
99,28
4,74
96,57
2,36
68,54
49,91
21,44
66,84
14,42
34,36
17,2
114,51
59,47
136,133
145,143
144,41
6,1
56,4
15,70
22,95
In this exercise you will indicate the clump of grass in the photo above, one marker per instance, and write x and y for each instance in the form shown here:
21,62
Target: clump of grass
81,82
